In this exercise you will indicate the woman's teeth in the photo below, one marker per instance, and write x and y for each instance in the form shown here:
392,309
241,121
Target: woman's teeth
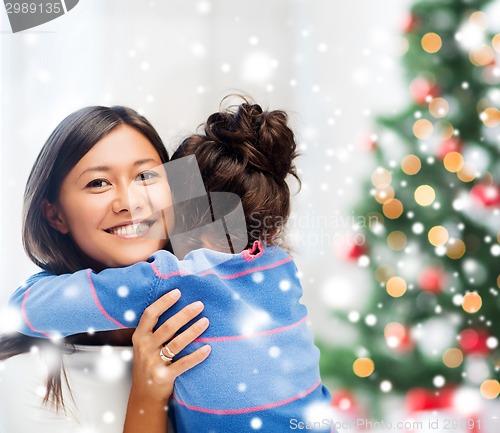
130,230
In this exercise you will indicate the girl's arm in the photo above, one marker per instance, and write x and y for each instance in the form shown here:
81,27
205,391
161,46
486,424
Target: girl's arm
61,305
153,378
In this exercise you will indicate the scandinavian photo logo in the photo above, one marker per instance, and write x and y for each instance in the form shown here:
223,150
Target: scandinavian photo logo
25,15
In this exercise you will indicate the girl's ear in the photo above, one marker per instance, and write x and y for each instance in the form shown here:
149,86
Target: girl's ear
53,216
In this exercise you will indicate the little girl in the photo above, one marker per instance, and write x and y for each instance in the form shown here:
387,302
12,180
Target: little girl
263,369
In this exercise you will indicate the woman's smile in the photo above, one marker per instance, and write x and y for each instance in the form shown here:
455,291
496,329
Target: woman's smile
130,229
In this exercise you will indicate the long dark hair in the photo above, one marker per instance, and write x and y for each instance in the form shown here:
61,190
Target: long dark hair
250,152
45,246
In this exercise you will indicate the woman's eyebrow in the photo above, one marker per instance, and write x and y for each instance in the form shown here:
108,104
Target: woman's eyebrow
107,168
96,168
145,161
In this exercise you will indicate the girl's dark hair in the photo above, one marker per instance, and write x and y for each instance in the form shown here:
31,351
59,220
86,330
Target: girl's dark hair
45,246
250,152
68,143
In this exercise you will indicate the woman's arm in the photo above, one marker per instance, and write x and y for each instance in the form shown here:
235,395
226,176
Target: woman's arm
152,378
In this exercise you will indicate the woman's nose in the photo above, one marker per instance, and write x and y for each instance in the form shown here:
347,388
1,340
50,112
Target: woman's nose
130,198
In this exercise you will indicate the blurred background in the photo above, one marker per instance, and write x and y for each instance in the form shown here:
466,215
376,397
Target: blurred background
396,108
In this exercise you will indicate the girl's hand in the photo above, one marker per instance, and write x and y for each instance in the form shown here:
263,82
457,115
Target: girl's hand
153,378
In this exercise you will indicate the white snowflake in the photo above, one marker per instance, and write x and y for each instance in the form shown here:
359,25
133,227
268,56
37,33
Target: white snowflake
203,7
10,320
318,412
255,322
127,355
439,381
256,423
122,291
258,67
285,285
274,352
108,417
109,366
257,277
371,320
129,315
492,342
385,386
353,316
71,292
418,228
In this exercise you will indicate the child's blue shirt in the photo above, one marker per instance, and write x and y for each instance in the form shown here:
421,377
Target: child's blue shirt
263,369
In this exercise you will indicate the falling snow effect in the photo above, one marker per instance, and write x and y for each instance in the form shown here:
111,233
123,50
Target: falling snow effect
263,68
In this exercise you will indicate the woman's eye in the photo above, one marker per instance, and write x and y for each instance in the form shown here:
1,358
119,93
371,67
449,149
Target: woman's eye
97,183
146,176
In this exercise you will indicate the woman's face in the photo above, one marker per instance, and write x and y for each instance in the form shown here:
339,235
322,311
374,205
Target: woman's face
115,202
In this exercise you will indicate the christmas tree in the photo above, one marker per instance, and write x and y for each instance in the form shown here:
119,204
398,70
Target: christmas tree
432,212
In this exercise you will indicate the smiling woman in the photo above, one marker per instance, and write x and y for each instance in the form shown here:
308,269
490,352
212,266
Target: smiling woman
122,175
96,198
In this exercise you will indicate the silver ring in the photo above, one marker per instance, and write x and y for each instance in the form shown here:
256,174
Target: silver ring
168,359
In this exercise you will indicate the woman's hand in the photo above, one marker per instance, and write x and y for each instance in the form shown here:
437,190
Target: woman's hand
153,378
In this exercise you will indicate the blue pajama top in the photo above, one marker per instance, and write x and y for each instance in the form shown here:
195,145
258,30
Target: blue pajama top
262,374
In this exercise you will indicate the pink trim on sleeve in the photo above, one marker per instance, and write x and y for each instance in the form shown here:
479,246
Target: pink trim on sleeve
25,315
254,335
99,306
248,271
211,271
170,275
250,409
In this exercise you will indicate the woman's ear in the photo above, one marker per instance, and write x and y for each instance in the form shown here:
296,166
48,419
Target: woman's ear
53,216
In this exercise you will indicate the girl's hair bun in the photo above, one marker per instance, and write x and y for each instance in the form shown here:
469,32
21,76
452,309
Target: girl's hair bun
261,140
249,152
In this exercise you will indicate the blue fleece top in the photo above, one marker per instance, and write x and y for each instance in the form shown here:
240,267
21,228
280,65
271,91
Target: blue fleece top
262,374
